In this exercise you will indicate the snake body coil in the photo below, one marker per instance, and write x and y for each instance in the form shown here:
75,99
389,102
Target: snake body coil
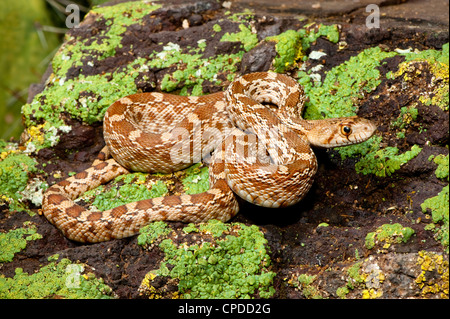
260,149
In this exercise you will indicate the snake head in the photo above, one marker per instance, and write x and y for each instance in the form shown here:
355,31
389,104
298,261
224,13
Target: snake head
340,131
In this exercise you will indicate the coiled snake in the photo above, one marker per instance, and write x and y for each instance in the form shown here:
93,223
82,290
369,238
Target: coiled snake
260,149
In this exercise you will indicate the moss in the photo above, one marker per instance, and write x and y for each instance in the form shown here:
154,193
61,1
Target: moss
15,168
389,234
234,264
386,161
436,284
16,240
62,279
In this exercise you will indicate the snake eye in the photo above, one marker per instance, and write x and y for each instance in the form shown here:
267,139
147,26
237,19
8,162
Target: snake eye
346,130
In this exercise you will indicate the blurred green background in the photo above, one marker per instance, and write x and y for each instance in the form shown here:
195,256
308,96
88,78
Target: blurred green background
30,33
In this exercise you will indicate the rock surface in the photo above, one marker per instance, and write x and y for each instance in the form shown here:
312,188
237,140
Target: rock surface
375,222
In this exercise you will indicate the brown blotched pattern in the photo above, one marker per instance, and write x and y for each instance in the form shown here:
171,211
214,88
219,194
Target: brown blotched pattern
259,152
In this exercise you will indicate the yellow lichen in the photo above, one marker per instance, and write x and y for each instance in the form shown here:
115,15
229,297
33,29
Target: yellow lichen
151,292
372,293
36,133
435,263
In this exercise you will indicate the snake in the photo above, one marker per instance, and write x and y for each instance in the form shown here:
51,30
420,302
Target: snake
252,136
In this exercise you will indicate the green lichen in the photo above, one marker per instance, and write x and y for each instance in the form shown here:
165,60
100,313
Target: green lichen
234,264
152,232
438,63
292,45
195,70
439,208
354,276
118,17
384,162
443,165
310,33
407,115
436,265
214,227
190,228
389,234
289,50
304,284
196,180
246,15
367,277
136,187
342,292
85,97
439,205
15,168
248,39
343,85
62,279
16,240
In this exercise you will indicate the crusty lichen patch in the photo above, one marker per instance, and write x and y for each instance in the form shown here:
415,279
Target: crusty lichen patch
16,167
63,279
439,204
85,96
388,234
138,186
438,62
16,240
433,285
225,261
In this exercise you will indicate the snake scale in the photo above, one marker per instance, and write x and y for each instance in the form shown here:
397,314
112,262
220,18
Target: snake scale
253,135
